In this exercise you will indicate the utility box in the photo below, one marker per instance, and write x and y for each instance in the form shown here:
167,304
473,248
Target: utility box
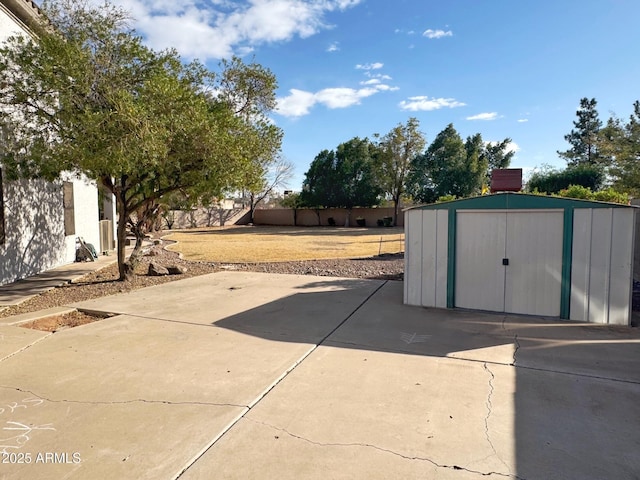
523,254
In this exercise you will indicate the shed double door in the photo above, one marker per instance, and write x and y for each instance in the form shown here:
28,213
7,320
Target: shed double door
509,261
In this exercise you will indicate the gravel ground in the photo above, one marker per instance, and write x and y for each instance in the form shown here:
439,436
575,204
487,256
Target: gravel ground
104,282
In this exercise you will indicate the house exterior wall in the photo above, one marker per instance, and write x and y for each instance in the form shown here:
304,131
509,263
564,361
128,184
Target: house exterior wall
34,212
35,239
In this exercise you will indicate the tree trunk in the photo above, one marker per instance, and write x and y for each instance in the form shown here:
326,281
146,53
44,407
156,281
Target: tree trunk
134,259
347,220
395,211
122,236
295,217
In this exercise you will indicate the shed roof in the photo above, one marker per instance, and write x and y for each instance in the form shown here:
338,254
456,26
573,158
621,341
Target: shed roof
511,200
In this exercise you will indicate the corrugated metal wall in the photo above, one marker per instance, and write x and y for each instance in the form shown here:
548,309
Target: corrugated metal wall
530,241
601,273
583,273
426,239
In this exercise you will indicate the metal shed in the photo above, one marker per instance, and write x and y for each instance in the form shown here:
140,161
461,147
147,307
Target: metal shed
526,254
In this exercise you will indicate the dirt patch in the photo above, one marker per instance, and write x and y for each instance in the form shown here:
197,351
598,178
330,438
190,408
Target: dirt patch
59,322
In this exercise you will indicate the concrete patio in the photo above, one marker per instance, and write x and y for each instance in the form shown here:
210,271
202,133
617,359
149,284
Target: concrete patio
247,375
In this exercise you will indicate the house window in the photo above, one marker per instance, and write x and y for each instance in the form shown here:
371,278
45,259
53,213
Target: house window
69,220
2,236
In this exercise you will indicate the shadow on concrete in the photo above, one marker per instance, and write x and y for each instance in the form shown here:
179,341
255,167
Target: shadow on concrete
576,388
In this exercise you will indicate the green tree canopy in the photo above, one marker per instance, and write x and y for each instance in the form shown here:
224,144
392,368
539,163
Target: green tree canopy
451,166
87,96
553,181
343,178
395,152
620,143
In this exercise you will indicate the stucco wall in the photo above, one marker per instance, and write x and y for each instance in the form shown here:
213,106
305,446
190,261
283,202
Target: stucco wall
35,240
305,217
206,217
86,215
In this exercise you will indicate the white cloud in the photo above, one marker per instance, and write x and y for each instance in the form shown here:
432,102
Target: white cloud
424,103
437,33
370,66
218,28
513,147
299,103
523,120
334,47
484,116
371,81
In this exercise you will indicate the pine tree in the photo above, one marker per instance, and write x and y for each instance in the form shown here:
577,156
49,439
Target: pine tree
584,137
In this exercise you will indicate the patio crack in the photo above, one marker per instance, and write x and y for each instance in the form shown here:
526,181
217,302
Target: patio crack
489,412
386,450
120,402
515,352
515,340
26,347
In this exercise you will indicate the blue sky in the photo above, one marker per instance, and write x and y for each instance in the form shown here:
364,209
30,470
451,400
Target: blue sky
345,68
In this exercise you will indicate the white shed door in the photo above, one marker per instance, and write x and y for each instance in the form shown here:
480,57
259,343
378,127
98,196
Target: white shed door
530,242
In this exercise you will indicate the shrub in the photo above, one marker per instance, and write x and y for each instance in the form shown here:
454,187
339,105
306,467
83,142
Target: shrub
446,198
606,195
577,191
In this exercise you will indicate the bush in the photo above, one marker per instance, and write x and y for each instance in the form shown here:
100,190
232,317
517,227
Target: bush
607,195
589,176
577,191
611,195
446,198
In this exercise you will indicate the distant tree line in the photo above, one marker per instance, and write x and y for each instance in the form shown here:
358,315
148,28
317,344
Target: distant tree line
364,172
602,161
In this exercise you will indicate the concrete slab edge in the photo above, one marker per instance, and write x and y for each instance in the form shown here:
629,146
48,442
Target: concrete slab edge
28,317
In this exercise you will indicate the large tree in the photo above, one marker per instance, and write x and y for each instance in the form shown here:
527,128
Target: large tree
450,166
343,178
396,150
87,96
620,144
584,137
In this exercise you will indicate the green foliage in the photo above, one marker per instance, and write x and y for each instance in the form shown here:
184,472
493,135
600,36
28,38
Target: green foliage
344,178
394,155
620,141
451,166
611,195
88,96
576,191
446,198
584,138
585,193
552,181
292,200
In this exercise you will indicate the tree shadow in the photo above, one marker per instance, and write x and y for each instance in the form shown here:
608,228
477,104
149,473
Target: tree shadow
34,229
575,386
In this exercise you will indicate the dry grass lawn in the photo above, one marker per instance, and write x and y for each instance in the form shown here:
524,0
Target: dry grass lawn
245,244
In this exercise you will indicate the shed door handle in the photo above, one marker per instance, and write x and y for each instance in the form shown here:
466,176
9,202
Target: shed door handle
505,261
